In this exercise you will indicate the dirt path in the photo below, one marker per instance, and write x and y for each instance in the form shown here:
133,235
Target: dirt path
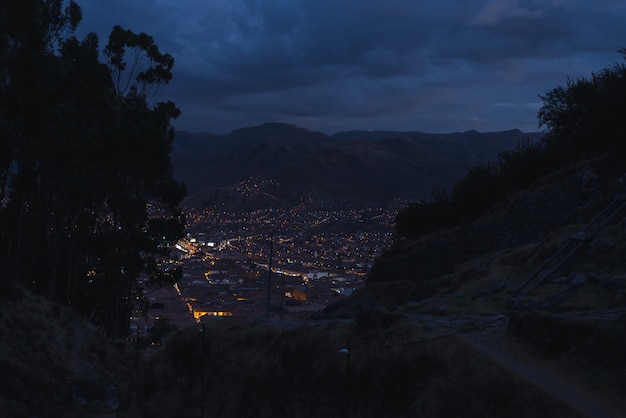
489,343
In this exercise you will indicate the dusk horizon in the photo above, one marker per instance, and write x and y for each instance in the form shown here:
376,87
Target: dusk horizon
334,66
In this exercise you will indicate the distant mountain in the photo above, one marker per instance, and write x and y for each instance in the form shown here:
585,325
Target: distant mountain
287,163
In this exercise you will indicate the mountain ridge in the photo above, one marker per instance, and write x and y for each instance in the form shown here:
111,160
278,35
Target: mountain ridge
367,166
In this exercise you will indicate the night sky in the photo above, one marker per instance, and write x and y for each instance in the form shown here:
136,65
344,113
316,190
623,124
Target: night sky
335,65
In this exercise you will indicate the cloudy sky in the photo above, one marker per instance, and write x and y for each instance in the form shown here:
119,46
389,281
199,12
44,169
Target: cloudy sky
334,65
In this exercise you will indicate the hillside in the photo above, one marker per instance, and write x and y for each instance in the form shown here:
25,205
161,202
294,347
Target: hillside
543,271
432,334
440,329
520,232
373,167
54,363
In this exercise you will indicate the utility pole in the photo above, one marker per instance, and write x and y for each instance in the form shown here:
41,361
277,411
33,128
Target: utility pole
137,364
202,374
282,295
269,276
346,351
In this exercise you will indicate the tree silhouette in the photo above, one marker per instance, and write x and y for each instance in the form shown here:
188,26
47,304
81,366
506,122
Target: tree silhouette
585,118
88,200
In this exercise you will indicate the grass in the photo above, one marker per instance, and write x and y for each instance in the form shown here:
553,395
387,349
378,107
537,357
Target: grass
55,364
257,369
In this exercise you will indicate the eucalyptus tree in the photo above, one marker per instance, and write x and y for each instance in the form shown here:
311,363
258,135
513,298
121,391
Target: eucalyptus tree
89,199
30,33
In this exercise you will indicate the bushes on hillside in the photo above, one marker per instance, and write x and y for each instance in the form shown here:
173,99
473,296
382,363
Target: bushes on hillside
584,119
419,217
483,186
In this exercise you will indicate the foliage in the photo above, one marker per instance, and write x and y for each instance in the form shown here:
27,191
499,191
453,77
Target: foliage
584,120
483,186
419,218
87,197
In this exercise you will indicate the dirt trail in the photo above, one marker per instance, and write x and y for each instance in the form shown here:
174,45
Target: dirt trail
489,343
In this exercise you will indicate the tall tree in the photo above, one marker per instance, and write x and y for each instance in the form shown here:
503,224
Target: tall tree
89,201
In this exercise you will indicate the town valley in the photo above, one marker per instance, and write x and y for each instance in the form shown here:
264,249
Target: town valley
317,255
285,240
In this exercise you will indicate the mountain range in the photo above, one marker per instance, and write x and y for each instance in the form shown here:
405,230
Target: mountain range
292,163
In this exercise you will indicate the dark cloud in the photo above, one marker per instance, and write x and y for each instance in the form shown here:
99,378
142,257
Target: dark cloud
331,65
